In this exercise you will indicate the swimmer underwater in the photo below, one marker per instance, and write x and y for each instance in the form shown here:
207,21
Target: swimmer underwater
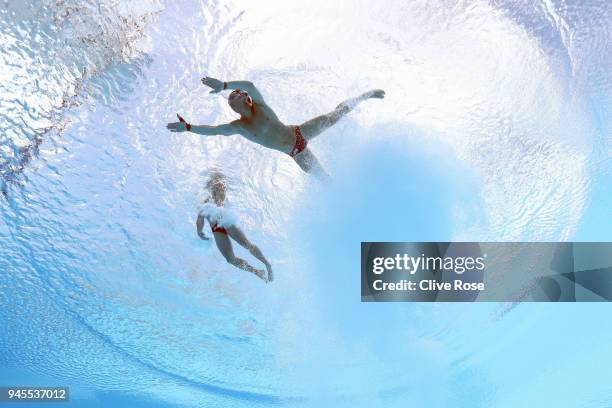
258,123
225,230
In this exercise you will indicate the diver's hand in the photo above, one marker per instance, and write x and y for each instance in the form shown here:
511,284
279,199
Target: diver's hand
203,236
177,127
215,84
180,126
376,93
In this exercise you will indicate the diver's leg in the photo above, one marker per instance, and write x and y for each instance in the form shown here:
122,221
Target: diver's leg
315,126
309,163
237,235
225,247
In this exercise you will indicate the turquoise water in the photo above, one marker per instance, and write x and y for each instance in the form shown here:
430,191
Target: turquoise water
495,127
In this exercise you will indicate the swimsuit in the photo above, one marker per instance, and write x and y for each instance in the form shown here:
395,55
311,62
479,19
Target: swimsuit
216,228
300,142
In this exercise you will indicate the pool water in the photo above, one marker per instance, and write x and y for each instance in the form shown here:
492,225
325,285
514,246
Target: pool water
495,127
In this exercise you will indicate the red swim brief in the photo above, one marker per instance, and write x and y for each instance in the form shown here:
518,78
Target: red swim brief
300,142
216,228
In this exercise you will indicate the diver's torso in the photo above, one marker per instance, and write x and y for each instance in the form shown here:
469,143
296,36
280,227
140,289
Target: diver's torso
266,129
217,215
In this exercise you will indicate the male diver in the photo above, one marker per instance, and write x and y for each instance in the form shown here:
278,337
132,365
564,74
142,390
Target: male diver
259,123
224,227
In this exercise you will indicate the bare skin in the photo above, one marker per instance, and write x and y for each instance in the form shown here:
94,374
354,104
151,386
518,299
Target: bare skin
260,124
222,240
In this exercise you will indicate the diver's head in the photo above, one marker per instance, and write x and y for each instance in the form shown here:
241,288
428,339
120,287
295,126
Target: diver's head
241,102
216,186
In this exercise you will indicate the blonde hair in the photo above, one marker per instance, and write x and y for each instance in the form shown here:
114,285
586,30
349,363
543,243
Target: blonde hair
215,178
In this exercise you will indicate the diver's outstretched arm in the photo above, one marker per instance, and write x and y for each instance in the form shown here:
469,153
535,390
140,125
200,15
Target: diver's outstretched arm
223,130
238,236
247,86
182,125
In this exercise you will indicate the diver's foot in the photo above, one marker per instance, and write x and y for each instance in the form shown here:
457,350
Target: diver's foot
270,274
377,93
262,274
